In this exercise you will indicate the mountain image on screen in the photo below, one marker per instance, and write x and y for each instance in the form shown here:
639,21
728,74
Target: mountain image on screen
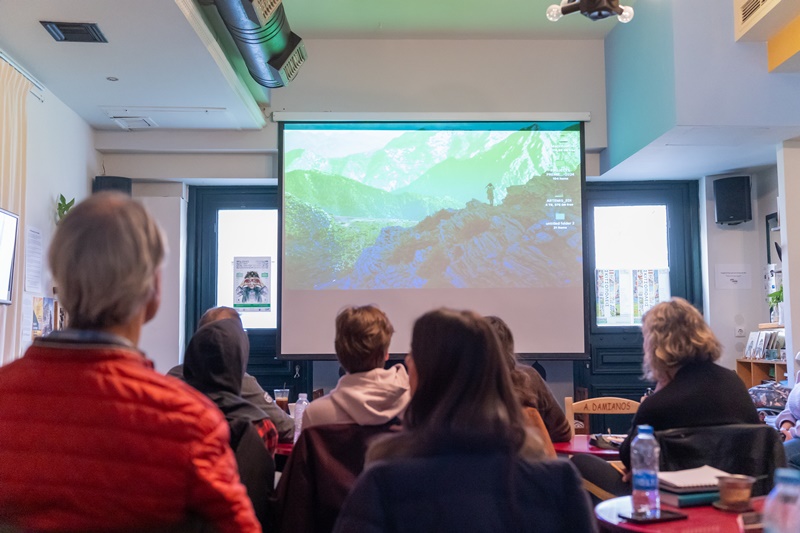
432,209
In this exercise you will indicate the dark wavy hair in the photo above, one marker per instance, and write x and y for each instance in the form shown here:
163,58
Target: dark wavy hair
463,389
519,379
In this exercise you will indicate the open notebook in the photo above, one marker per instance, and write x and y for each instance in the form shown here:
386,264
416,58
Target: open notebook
699,479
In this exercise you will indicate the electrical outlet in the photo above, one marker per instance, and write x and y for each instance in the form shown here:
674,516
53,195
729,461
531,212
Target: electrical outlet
738,331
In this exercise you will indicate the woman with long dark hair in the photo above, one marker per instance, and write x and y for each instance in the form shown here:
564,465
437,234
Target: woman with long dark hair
538,403
465,460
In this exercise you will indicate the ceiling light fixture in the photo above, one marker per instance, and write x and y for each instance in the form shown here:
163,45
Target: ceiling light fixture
592,9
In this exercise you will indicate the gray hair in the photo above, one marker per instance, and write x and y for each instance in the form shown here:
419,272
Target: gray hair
105,258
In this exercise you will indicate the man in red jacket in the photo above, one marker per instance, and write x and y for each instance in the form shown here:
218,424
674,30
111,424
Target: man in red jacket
91,437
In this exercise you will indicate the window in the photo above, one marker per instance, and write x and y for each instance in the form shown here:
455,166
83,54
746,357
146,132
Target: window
247,233
631,262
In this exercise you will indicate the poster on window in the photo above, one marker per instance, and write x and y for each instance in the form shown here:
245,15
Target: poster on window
623,295
650,286
251,282
613,297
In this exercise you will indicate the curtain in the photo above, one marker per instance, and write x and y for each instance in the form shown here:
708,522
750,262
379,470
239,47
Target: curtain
13,141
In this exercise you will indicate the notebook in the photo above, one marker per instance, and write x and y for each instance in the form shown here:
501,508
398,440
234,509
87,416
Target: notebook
689,499
702,479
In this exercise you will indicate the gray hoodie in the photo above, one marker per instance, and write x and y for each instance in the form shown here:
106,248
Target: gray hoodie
365,398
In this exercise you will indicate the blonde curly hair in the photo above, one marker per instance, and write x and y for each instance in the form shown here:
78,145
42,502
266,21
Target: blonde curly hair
675,334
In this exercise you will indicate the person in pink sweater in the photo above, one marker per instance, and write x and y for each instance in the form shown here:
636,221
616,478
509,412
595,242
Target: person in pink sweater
368,394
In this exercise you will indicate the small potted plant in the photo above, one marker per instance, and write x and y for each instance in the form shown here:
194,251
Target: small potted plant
63,207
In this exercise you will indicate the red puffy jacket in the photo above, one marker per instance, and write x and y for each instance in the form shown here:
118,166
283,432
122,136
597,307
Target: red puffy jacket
92,438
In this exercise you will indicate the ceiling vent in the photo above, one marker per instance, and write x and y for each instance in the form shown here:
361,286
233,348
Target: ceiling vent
135,123
749,8
74,32
758,20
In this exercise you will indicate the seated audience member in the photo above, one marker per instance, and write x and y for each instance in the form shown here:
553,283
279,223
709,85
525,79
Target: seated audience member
367,394
367,401
103,442
214,364
788,422
680,351
464,460
253,393
531,388
273,416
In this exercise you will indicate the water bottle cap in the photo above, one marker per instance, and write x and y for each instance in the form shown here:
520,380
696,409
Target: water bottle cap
787,475
303,396
645,429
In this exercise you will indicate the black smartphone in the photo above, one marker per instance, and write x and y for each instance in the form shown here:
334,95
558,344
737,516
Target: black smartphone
666,516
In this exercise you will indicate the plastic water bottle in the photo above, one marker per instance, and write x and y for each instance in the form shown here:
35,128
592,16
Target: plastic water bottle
644,460
299,407
782,508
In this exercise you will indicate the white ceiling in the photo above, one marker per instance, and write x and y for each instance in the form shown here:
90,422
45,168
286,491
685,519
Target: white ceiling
168,71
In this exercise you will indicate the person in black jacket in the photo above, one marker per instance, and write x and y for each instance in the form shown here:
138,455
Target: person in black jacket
464,460
250,390
680,351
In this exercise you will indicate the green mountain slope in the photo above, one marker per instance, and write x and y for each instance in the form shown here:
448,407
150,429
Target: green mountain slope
342,197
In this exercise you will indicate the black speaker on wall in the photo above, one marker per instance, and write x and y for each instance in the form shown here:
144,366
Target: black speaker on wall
732,200
112,183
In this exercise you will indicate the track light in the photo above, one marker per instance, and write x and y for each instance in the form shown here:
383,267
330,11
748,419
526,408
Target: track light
592,9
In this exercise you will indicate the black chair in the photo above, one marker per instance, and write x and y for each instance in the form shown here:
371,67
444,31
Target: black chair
256,469
750,449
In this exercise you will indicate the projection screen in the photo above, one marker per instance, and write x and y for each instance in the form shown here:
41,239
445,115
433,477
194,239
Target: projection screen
412,216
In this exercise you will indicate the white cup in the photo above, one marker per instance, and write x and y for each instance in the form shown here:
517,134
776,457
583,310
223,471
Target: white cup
291,409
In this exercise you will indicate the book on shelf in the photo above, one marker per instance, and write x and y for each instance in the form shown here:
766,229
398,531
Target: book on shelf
749,351
701,479
758,352
690,499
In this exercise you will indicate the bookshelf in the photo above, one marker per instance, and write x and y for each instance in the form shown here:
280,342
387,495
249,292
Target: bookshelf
754,371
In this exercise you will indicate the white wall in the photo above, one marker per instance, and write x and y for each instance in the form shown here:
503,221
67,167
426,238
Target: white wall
61,159
452,76
163,337
789,192
720,81
743,245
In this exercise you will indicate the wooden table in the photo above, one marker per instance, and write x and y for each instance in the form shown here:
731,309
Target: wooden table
580,444
706,518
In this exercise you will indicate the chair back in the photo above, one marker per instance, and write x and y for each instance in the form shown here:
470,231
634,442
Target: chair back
256,469
748,449
606,405
320,472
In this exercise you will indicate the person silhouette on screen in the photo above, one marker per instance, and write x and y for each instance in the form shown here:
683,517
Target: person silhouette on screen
490,193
